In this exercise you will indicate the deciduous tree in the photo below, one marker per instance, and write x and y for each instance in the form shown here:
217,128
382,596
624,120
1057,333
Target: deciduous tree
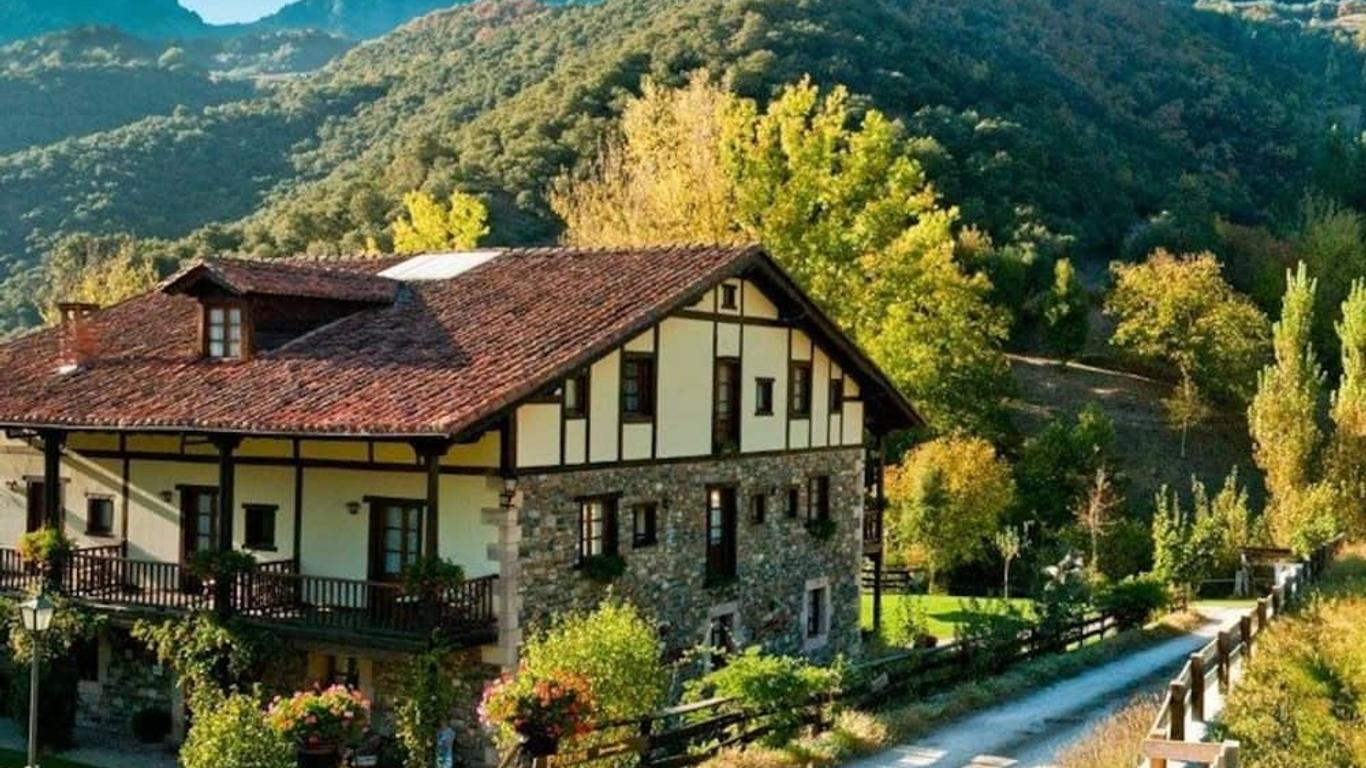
428,225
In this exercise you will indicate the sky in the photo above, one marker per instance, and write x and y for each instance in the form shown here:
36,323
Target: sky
226,11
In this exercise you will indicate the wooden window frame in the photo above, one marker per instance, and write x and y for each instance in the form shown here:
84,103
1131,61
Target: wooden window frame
646,396
377,526
244,329
90,528
817,620
248,511
580,383
730,296
794,502
817,498
764,390
799,398
835,401
722,560
646,512
758,508
729,441
607,540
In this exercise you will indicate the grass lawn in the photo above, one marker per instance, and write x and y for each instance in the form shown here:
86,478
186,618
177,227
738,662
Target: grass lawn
11,759
943,611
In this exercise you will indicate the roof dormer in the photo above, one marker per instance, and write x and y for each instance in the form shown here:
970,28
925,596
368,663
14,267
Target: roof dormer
256,306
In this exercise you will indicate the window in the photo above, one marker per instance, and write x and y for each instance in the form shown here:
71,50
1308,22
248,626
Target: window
260,524
576,396
725,420
763,397
758,508
836,395
818,498
816,616
35,492
396,536
794,501
720,535
343,670
728,297
223,327
721,638
799,404
644,525
597,527
638,387
99,515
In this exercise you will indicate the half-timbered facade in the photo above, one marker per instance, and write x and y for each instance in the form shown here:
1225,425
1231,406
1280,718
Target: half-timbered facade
685,413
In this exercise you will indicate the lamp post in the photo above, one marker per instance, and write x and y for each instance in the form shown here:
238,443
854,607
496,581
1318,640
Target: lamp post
37,618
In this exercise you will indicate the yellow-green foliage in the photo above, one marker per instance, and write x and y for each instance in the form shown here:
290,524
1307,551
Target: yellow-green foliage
947,498
430,226
1301,700
233,733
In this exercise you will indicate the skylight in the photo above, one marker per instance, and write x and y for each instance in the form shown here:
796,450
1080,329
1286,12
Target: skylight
439,266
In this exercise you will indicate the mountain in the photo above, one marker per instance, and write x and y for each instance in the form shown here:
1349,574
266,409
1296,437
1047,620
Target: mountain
1080,117
143,18
357,19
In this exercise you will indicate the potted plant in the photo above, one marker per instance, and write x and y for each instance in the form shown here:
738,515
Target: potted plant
45,549
539,711
321,722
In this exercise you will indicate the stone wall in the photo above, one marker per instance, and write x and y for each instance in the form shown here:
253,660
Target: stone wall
468,674
778,559
130,680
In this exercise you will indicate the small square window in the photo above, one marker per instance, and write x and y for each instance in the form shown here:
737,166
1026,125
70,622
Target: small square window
638,387
794,501
729,295
260,525
99,515
836,395
763,397
576,396
758,508
223,332
644,525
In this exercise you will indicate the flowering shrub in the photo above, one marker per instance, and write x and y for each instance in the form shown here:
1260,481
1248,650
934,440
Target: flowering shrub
321,717
540,710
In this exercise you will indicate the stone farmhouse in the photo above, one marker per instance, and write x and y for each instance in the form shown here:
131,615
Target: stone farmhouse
685,415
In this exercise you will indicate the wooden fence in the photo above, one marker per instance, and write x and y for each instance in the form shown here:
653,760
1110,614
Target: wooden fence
1214,665
689,734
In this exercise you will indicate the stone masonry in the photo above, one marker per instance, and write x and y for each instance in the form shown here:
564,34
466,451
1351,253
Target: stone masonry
778,559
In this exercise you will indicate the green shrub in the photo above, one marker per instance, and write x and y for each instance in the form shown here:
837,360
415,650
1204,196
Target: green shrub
151,725
778,688
213,564
233,733
432,576
990,633
604,569
428,698
57,696
1134,601
45,547
614,647
208,656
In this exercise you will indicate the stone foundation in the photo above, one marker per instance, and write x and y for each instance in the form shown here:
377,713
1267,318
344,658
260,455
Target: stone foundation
778,559
129,681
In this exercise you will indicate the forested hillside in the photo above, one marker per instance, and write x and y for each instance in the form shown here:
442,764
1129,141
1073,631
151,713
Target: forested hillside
1052,120
348,18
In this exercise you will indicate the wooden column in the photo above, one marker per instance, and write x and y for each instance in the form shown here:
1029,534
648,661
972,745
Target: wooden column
430,451
1197,687
53,440
227,483
877,592
1176,721
880,500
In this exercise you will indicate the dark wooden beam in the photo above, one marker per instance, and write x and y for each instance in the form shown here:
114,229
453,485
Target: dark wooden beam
430,452
53,440
227,472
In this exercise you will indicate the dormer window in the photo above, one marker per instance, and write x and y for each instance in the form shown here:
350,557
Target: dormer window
223,333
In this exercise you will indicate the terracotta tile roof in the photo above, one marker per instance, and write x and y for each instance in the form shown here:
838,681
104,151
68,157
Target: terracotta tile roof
441,358
285,278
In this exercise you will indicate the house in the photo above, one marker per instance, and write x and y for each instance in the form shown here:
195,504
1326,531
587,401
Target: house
529,414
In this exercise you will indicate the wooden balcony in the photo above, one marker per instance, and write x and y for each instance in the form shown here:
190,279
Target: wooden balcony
274,594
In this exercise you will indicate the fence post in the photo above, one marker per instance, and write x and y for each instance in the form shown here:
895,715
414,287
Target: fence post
1278,600
1261,614
1231,757
1176,718
1197,687
1222,645
1245,628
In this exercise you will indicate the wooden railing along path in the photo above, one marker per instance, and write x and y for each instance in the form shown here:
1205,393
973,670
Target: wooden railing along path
1216,666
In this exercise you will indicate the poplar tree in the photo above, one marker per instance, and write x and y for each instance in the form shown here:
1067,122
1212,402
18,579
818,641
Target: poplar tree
1346,464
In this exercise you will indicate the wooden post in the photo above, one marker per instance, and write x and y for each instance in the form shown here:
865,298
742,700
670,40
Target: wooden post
53,439
1176,718
227,476
430,452
1222,644
877,592
1245,629
1231,756
1197,687
1278,600
1261,614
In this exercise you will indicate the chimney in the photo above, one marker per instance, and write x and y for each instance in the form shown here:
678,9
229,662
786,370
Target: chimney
78,335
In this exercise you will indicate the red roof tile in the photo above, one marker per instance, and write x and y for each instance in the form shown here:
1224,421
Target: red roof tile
443,357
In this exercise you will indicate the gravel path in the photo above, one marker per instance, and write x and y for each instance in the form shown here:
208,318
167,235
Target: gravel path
1030,731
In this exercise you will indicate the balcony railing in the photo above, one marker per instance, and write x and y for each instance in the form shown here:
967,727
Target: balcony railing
272,592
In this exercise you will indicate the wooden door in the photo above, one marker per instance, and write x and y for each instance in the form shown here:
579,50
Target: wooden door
37,508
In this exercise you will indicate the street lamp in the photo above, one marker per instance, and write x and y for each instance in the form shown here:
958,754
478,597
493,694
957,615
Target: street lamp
37,617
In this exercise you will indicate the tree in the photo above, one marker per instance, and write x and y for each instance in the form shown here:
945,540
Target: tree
840,202
1184,545
1065,307
948,496
1185,407
1056,464
1332,244
1010,544
1345,466
1179,311
1282,416
1094,512
429,226
232,732
429,696
94,269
